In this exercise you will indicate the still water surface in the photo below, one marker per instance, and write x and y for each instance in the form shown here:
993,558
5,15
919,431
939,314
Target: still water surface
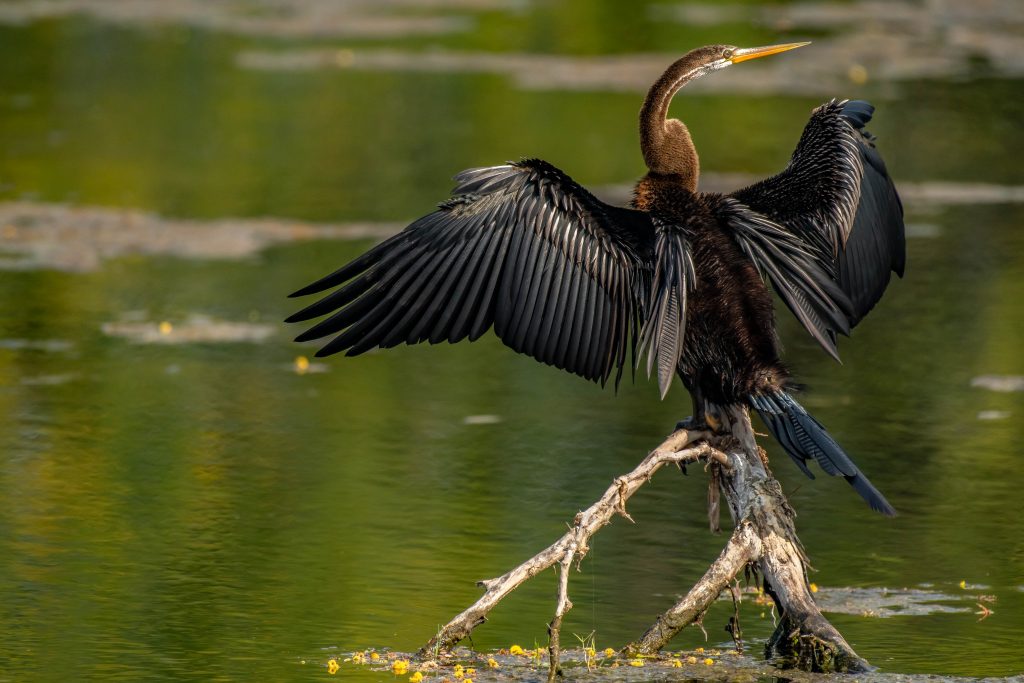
202,511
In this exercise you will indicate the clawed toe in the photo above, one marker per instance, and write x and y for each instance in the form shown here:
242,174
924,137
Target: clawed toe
689,424
710,423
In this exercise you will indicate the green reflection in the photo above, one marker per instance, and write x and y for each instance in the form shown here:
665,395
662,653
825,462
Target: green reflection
202,512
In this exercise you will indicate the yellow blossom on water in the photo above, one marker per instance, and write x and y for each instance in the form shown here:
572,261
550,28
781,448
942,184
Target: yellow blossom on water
359,658
699,650
166,327
457,671
691,660
590,652
492,663
709,661
608,652
516,650
416,677
963,584
472,672
468,680
676,664
332,666
636,662
814,588
374,656
400,667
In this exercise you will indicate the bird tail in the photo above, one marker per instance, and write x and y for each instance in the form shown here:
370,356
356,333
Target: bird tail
804,438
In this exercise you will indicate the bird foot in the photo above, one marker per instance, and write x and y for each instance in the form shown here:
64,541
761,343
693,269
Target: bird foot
709,424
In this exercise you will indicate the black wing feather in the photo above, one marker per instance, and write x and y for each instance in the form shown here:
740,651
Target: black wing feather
836,196
521,247
674,277
793,269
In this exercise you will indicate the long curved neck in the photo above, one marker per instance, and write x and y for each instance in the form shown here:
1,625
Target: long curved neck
666,143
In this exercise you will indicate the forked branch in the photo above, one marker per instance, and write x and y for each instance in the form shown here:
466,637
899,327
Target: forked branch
677,448
763,536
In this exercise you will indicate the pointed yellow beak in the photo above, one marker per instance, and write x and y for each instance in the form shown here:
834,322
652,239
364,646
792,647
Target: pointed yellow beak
745,53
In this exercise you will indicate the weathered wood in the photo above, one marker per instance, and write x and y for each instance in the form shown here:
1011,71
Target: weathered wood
675,449
763,537
764,531
743,547
555,627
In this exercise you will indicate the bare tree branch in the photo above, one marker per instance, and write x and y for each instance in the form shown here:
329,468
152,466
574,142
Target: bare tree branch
675,449
763,537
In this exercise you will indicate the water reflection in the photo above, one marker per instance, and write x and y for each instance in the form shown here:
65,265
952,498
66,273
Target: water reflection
203,511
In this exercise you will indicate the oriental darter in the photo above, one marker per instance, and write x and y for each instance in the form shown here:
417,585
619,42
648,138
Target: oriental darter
681,275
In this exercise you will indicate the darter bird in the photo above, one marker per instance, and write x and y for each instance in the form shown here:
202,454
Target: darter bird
682,275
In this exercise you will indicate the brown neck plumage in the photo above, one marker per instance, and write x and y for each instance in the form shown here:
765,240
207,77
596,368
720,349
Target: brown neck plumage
665,142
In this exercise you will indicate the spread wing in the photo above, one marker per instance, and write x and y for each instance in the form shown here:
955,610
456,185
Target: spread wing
521,247
838,199
794,270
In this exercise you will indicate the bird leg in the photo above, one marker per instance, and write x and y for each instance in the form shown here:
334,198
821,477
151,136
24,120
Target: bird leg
702,419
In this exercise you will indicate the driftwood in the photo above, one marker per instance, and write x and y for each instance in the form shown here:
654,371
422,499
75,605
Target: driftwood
763,540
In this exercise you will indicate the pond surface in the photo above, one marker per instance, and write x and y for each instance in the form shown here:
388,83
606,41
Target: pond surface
182,501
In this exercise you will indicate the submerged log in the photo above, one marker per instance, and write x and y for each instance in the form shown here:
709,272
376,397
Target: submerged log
763,539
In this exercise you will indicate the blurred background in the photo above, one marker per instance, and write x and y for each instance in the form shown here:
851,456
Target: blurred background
186,497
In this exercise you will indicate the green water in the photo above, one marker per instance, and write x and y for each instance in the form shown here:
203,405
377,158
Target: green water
203,512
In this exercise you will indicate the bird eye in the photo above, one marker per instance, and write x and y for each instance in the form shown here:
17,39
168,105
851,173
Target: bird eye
728,53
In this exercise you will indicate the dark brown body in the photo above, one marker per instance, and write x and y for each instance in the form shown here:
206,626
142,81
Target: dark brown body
730,350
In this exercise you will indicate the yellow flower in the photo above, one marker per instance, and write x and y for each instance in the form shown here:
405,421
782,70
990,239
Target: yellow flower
457,671
709,661
301,365
676,664
608,652
166,327
699,650
359,658
590,652
963,584
332,666
814,588
374,656
636,662
416,677
400,667
516,650
691,660
492,663
469,680
472,672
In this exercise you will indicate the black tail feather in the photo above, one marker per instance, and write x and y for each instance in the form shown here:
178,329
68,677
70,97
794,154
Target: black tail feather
804,438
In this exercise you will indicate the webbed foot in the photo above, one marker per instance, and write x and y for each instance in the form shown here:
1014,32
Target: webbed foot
710,423
689,424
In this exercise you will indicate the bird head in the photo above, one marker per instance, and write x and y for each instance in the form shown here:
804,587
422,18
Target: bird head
666,143
714,57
